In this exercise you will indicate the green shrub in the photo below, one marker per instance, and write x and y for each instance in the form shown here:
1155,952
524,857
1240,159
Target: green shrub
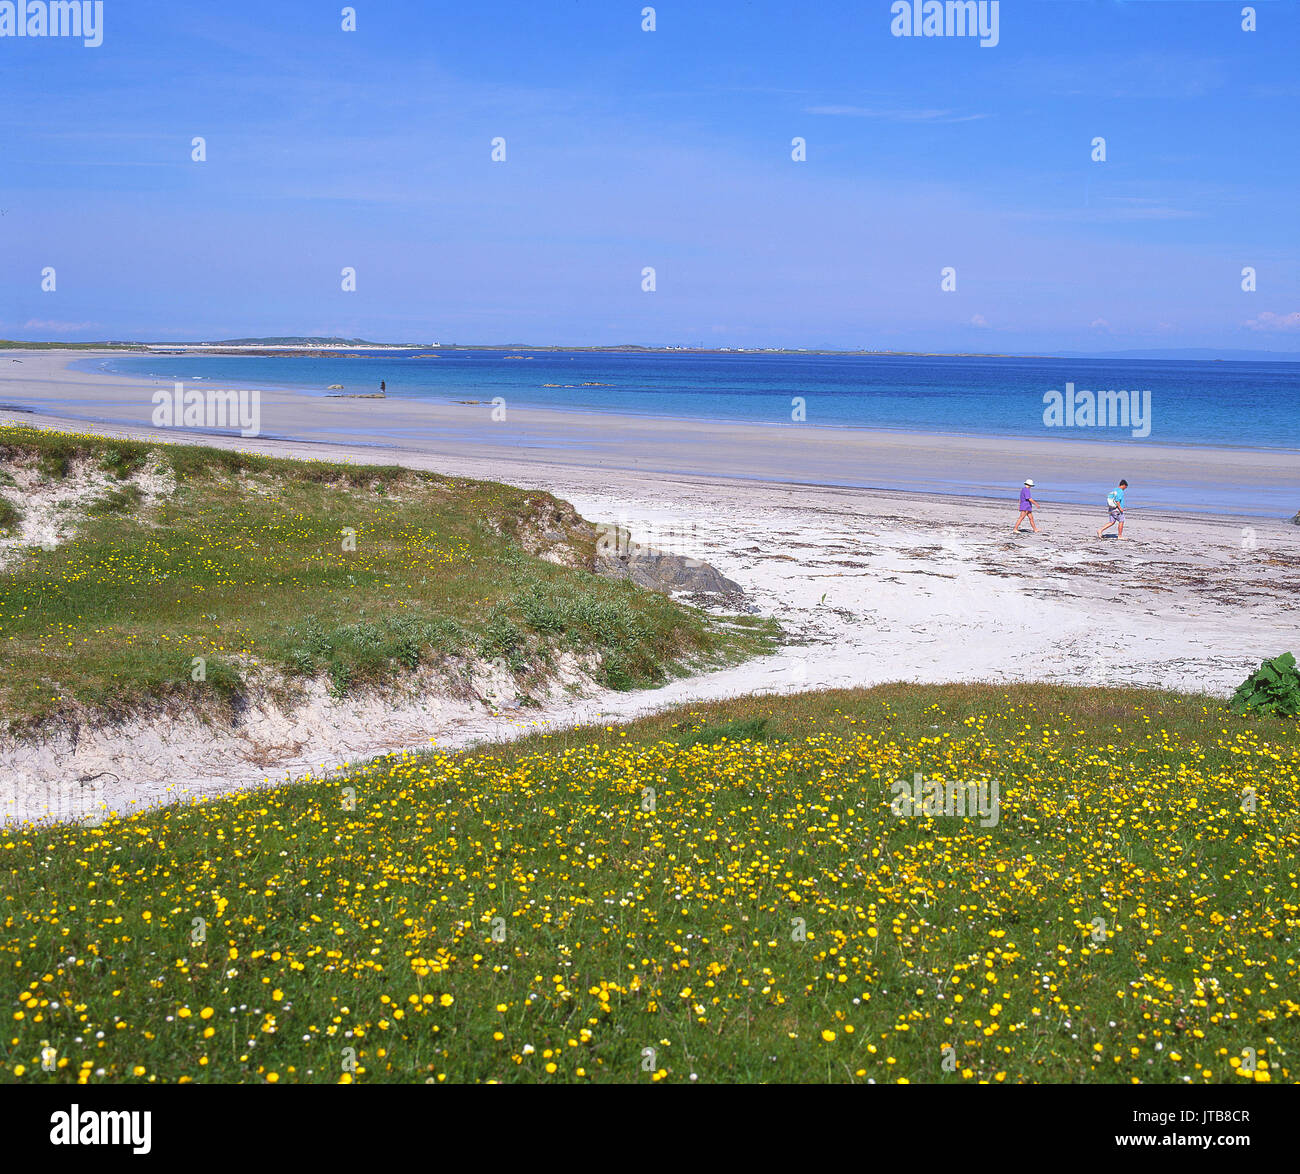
632,646
617,674
367,651
1272,688
501,637
548,615
10,515
122,462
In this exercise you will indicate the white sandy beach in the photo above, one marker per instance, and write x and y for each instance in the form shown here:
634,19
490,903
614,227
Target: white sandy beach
870,585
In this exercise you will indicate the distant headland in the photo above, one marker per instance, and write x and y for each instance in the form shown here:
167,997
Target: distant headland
337,347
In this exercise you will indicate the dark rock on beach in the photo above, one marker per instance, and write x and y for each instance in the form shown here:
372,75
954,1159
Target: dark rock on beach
555,531
668,573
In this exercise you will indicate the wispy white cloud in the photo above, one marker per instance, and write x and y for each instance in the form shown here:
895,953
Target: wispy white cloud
58,327
1269,321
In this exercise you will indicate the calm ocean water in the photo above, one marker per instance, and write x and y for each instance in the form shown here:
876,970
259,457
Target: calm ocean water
1236,404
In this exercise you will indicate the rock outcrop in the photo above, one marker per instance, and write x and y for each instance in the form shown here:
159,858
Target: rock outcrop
620,558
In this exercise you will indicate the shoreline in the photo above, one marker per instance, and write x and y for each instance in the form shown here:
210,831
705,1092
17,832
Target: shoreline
1187,480
1067,436
384,453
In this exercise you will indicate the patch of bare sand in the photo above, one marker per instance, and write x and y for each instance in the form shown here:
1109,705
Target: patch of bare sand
86,772
51,508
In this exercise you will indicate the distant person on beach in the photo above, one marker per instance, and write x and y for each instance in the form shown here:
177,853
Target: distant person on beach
1115,503
383,388
1027,504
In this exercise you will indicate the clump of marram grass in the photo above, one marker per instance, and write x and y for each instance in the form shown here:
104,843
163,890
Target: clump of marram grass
370,651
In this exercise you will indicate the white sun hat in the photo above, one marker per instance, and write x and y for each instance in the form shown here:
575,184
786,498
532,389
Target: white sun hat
1029,482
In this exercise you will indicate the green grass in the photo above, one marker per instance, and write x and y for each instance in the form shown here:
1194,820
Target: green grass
724,884
116,501
10,516
286,569
752,729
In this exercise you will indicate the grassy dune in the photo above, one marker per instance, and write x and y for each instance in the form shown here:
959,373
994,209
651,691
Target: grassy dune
276,571
533,912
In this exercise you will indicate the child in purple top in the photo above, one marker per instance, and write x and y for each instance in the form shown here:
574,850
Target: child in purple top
1027,504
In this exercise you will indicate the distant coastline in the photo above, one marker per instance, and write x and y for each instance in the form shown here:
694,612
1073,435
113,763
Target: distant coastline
306,347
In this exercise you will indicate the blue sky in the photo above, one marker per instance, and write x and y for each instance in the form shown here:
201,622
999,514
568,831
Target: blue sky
669,149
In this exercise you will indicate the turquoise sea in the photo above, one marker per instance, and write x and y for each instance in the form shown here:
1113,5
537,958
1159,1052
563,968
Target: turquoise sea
1235,404
1183,404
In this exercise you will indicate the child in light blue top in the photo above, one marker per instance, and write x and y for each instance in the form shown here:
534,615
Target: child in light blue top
1115,504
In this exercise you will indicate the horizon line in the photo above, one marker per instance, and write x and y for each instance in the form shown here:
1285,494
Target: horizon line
318,341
